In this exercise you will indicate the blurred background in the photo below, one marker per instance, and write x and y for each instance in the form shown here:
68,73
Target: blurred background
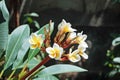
99,19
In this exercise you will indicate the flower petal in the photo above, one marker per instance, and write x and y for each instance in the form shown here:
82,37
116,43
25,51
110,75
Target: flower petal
84,44
74,58
81,48
55,45
72,35
84,37
49,50
33,46
65,27
85,56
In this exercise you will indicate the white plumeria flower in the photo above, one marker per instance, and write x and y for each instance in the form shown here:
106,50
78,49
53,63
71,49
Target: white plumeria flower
80,38
82,53
35,40
74,56
65,27
55,52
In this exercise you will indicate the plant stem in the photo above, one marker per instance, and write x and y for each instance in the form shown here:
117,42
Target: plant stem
2,73
36,67
11,74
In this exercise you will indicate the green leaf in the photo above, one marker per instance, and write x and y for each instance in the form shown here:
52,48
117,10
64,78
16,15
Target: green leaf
112,73
3,27
15,42
21,54
34,52
41,31
36,24
116,60
32,14
47,78
4,10
32,63
60,68
116,41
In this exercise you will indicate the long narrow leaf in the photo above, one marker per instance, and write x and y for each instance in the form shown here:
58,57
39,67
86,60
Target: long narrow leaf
21,54
60,68
46,78
3,27
15,42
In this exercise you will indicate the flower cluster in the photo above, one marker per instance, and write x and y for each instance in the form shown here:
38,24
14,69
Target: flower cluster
65,42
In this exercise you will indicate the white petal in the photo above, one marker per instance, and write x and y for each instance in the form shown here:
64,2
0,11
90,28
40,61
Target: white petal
55,45
70,51
85,56
58,47
48,50
51,56
84,37
63,21
79,34
72,30
61,24
78,58
84,44
61,50
31,41
75,52
72,35
81,48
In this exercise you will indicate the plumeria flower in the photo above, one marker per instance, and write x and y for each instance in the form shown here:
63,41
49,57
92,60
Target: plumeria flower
80,38
55,52
74,56
81,51
71,36
35,40
65,27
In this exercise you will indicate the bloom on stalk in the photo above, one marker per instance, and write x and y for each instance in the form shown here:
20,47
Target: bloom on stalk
71,36
80,38
55,52
35,40
81,51
65,27
73,56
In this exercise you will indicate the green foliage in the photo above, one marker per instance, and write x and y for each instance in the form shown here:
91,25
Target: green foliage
31,14
21,54
47,78
3,27
116,41
15,42
41,30
116,59
113,62
32,63
30,20
58,69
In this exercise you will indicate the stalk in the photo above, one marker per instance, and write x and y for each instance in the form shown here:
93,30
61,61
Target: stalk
36,68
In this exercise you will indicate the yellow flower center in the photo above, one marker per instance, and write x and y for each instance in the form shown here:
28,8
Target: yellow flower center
55,53
66,28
